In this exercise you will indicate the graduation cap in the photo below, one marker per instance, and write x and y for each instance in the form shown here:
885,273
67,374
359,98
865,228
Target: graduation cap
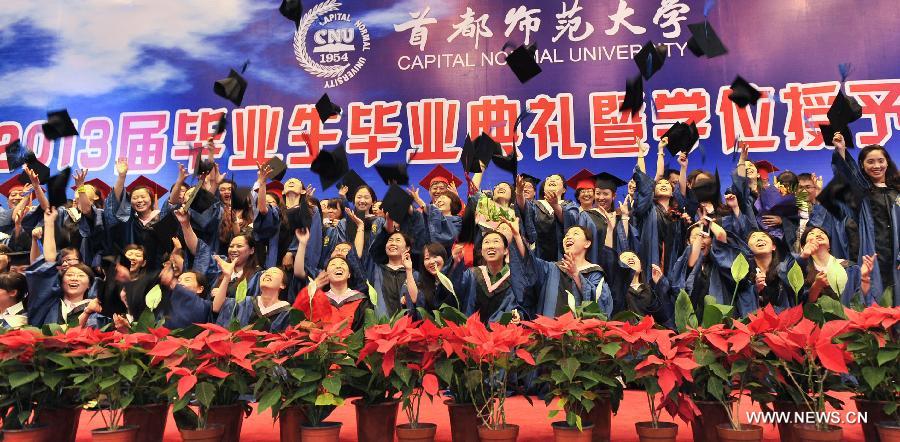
146,183
396,203
828,132
523,64
326,109
15,155
479,152
704,41
707,190
609,181
650,59
330,166
353,182
742,93
36,166
393,173
10,184
509,163
278,169
764,168
231,88
99,186
682,137
441,174
634,95
292,10
839,190
844,110
166,228
531,179
222,124
19,258
585,179
56,188
299,217
59,125
201,199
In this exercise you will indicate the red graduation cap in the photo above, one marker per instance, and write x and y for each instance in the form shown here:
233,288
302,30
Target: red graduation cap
147,183
10,184
275,188
582,180
101,187
441,174
764,168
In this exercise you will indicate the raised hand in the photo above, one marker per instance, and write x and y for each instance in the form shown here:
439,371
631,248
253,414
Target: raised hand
322,279
176,244
182,173
226,267
407,261
731,201
262,172
568,264
32,176
458,253
353,218
821,280
661,148
552,197
343,191
868,263
656,273
79,177
182,215
302,236
122,167
310,191
760,280
683,160
413,191
838,141
36,233
50,216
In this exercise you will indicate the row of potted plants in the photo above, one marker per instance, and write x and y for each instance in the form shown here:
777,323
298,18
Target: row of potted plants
579,361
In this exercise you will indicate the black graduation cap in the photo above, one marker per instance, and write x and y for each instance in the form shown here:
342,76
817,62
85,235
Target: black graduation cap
682,137
292,10
222,124
608,181
203,166
56,188
16,155
353,182
393,173
36,166
396,203
478,152
509,163
166,228
531,179
634,95
707,190
844,110
299,217
59,125
240,198
330,166
650,59
829,130
523,64
742,93
704,41
19,258
278,169
326,109
839,190
201,199
231,88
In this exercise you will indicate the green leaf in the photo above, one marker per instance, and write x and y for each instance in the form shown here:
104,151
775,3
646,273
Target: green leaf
887,298
444,369
445,281
873,375
327,399
832,306
311,288
269,399
570,300
684,312
837,276
332,384
715,313
739,268
20,378
128,371
795,278
205,393
569,366
373,294
887,355
240,293
153,297
611,348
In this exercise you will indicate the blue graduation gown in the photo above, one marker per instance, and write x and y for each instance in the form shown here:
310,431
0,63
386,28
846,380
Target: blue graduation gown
852,292
834,227
45,295
247,312
374,269
184,308
717,265
442,229
549,277
265,231
490,301
646,214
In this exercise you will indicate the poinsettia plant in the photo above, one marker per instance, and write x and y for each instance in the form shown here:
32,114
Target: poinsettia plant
871,339
662,364
575,362
495,353
23,376
303,366
214,367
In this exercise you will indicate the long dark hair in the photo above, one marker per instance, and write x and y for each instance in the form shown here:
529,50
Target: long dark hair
772,270
891,176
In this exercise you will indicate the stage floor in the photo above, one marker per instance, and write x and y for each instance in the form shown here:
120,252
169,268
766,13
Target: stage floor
533,422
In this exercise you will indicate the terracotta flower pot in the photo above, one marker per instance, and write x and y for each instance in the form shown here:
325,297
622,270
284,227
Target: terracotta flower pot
289,422
123,434
375,423
39,433
712,414
751,433
600,416
463,418
422,433
888,431
212,433
809,433
507,433
63,422
786,430
231,417
875,413
151,419
562,432
664,432
326,432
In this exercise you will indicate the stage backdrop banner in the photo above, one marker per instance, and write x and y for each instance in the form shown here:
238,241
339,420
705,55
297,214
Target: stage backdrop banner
413,77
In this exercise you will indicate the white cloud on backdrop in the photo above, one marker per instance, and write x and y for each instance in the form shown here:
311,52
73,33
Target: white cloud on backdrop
98,46
385,19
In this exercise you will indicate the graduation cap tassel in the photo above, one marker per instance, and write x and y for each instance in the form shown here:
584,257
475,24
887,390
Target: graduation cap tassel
652,107
707,8
244,67
650,63
845,69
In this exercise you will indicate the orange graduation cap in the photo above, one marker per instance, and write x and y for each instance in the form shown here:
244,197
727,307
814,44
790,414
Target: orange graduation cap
101,187
441,174
582,180
764,168
13,182
147,183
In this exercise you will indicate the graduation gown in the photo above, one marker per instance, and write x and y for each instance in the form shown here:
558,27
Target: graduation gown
433,294
489,299
548,229
843,245
327,310
45,296
851,294
711,275
442,228
181,308
661,238
554,283
375,269
122,223
249,312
